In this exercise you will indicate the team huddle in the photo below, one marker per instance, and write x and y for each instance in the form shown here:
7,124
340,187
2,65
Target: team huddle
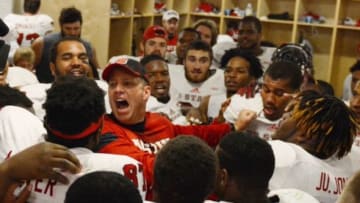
196,117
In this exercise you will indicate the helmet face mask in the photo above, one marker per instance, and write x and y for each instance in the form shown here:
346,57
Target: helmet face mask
294,53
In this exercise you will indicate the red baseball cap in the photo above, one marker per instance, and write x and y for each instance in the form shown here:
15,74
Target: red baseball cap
155,31
130,65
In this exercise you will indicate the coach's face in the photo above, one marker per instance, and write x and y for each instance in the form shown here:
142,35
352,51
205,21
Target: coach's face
71,59
128,95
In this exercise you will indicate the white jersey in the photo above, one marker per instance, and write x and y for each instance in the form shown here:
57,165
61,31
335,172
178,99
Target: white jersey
290,195
184,91
30,27
261,126
214,106
18,77
355,152
296,168
51,191
19,129
37,94
265,57
347,94
10,39
171,109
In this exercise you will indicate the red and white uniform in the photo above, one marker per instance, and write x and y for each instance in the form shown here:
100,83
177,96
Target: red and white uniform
171,109
19,129
51,191
184,91
296,168
261,126
30,27
156,132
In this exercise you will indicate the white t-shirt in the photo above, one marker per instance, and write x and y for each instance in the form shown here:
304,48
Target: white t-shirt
296,168
184,91
30,27
51,191
19,129
37,94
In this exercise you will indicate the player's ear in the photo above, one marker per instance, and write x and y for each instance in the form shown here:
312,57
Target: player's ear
147,92
52,69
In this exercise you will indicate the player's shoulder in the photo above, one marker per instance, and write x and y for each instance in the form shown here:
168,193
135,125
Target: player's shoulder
11,17
284,153
45,17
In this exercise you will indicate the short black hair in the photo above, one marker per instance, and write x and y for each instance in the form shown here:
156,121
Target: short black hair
249,160
255,65
12,96
254,20
285,71
184,171
191,30
152,57
200,45
325,87
355,66
54,48
103,186
32,6
70,15
72,104
295,53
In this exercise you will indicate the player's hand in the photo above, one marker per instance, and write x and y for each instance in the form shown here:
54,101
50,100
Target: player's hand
244,119
220,118
44,160
21,198
194,117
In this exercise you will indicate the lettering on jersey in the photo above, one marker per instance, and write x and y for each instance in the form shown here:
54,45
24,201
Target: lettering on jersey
324,184
131,171
29,37
195,90
150,147
48,189
189,97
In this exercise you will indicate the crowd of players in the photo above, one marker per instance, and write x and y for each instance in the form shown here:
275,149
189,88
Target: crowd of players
197,117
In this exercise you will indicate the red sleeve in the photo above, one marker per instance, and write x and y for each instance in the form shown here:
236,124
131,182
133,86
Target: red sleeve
211,134
126,147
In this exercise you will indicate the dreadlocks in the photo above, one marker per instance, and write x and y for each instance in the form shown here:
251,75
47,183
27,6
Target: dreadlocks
327,121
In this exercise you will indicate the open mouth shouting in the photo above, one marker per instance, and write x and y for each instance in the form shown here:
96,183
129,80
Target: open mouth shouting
121,104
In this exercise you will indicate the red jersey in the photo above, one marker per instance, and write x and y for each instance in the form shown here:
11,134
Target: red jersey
155,133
